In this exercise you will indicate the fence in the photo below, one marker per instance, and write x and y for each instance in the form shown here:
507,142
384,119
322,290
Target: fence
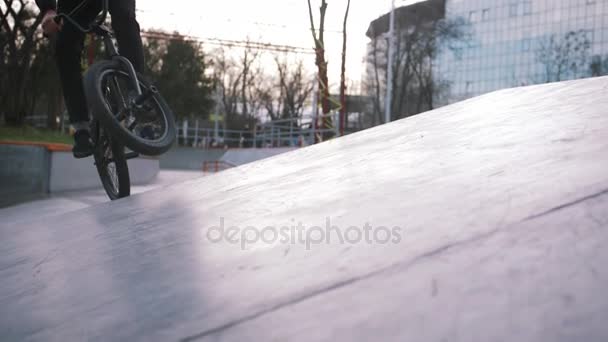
277,133
41,121
216,165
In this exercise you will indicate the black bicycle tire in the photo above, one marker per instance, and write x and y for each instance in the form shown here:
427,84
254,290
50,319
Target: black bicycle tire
101,112
120,162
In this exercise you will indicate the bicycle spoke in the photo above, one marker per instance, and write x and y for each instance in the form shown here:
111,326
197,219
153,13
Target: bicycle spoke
132,125
118,91
145,121
111,168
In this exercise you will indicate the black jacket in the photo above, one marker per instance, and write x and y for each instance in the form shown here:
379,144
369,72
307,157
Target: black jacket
46,5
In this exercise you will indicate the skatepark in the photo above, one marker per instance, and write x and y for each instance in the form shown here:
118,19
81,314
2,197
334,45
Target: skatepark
484,220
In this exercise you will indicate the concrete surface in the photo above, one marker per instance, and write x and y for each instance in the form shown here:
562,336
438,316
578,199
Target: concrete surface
30,172
68,174
248,155
23,172
495,210
186,158
64,202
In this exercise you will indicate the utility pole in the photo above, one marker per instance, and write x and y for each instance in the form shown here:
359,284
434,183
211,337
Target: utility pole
389,76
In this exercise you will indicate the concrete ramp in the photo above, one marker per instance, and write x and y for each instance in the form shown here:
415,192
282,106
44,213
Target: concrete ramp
249,155
482,221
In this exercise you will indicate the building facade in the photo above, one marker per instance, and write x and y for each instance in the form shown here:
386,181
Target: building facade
522,42
512,43
413,55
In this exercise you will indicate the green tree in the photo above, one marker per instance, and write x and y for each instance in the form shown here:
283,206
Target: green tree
45,91
178,67
564,57
598,66
19,40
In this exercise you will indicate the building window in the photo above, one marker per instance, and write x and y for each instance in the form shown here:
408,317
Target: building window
458,52
525,44
485,15
527,7
590,2
473,16
513,9
469,87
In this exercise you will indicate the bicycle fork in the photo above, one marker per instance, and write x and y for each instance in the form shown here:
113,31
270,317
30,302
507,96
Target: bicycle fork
112,53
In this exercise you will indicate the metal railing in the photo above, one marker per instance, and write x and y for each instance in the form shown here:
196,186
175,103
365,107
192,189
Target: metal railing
294,132
278,133
41,121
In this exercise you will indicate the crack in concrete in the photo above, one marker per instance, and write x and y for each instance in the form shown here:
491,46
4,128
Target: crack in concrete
400,265
566,205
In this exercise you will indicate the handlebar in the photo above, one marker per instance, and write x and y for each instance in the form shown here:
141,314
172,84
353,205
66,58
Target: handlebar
100,19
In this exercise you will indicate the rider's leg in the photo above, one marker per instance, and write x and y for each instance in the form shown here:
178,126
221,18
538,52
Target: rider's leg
68,52
126,28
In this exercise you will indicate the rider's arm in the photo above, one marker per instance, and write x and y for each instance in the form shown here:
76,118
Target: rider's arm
46,5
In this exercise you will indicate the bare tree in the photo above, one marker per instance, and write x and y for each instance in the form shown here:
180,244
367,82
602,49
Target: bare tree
320,61
564,57
295,87
343,109
283,95
372,83
237,83
268,92
227,79
248,58
414,84
420,38
255,101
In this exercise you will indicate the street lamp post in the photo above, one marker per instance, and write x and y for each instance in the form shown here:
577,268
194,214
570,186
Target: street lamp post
389,76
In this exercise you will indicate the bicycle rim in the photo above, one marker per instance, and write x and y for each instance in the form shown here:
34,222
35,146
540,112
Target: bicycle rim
148,122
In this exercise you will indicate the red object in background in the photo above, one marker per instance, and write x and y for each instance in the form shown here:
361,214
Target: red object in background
91,49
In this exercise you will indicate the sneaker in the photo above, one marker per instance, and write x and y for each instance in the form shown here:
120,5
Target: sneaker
83,145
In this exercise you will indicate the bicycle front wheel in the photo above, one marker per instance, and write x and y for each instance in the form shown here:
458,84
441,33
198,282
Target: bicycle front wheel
147,127
111,164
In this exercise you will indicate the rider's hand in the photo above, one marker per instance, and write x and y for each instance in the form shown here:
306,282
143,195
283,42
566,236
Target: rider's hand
49,26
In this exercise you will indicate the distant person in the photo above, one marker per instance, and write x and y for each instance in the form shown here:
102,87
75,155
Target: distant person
68,52
247,139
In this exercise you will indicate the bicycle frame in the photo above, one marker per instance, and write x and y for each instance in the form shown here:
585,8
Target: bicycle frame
99,29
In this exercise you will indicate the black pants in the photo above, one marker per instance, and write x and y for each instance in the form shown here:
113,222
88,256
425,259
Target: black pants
70,41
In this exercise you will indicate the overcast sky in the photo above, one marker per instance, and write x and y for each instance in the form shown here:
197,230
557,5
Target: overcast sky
284,22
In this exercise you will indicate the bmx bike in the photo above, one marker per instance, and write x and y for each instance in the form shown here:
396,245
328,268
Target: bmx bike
126,110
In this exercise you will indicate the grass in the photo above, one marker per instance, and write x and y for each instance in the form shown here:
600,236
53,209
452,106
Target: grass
27,133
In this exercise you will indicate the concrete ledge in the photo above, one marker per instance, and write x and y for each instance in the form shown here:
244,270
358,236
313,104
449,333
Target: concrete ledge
32,169
187,158
67,173
47,146
241,156
23,171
